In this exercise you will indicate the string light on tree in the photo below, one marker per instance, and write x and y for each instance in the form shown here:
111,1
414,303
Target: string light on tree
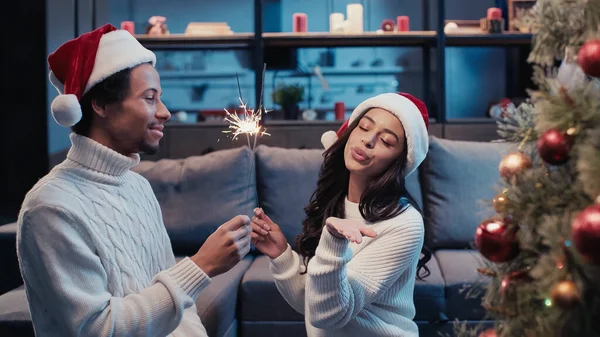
513,280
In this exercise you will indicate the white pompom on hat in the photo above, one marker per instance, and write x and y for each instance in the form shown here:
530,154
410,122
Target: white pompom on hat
79,64
412,113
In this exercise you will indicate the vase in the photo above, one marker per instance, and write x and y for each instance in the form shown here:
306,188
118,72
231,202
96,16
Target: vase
290,111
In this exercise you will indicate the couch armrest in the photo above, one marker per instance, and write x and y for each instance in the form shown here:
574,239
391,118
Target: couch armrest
9,265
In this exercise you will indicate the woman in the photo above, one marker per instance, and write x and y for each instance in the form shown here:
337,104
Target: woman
363,232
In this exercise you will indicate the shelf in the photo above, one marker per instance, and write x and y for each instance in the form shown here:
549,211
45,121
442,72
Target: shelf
485,39
473,120
180,74
369,39
183,42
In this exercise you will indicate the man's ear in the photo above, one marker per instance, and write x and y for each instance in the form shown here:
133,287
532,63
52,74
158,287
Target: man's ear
99,108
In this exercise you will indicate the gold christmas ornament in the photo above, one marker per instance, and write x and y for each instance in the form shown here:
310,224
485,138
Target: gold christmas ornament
500,203
513,164
565,295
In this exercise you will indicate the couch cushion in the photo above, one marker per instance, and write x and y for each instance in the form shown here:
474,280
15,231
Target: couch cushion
218,302
458,177
9,264
259,298
286,179
465,287
429,294
261,301
198,194
15,317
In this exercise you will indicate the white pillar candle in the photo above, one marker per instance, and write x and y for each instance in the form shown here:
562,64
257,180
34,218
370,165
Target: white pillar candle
355,17
336,22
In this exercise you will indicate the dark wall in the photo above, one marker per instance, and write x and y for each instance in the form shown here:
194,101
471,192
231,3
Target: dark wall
23,135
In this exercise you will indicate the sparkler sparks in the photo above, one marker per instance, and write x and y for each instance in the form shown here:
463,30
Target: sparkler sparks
249,124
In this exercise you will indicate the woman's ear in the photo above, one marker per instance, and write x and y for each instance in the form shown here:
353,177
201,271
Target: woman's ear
99,108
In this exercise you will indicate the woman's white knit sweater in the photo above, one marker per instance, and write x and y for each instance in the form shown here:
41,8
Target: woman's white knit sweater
361,289
95,255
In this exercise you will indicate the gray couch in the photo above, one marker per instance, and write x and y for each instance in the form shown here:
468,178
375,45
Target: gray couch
199,193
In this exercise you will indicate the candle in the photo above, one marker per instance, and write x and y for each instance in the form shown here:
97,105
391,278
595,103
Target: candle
128,26
300,23
402,22
340,111
355,18
494,13
336,22
495,20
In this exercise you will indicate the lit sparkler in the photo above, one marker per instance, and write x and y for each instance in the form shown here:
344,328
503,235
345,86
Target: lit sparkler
249,125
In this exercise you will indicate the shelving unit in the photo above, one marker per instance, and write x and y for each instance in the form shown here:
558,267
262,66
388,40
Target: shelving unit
427,39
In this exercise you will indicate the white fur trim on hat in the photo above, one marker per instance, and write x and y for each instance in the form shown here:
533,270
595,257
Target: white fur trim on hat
66,110
117,50
417,138
328,138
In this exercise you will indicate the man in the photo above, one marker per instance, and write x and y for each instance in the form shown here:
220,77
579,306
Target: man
92,246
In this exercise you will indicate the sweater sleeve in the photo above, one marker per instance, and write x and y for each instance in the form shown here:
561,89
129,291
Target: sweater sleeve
190,325
68,278
338,288
286,270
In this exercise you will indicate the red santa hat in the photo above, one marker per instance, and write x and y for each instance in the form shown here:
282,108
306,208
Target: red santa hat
79,64
411,112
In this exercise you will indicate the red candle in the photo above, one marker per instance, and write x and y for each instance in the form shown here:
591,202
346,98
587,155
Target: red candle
402,23
300,23
340,111
128,26
494,13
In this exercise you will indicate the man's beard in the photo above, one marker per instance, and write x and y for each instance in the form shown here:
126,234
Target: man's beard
148,149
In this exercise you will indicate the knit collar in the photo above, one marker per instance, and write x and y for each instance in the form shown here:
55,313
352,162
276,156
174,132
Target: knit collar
97,157
351,210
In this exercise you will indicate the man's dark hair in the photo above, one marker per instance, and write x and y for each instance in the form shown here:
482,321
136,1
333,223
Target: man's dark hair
113,89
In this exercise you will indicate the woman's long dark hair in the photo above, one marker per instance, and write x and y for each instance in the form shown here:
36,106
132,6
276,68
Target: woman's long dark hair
379,201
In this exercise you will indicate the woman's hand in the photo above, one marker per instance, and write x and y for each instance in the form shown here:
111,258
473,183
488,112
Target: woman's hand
267,237
351,229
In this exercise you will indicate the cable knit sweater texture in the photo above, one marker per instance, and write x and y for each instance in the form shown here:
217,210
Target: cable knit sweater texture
353,289
95,255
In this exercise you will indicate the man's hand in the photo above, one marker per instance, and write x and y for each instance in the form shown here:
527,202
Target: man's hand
353,230
225,247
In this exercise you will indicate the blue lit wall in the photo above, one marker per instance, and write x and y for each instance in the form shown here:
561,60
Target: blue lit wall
471,83
206,79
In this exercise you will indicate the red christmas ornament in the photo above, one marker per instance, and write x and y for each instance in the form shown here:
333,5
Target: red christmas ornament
514,164
554,147
586,233
488,333
589,58
495,241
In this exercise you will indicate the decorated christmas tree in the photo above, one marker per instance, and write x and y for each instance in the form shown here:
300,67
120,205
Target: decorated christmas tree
542,248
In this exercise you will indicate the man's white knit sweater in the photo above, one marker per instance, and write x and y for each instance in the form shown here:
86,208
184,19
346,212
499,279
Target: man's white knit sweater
95,255
361,289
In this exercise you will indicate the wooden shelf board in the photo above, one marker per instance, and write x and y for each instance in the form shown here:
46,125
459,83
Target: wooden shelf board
485,39
368,39
182,41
